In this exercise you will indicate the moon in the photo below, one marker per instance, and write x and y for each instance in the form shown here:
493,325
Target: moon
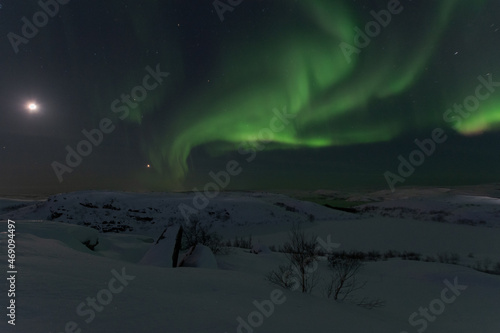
32,107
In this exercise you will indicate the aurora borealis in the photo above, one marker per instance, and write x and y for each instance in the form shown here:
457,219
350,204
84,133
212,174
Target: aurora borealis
352,116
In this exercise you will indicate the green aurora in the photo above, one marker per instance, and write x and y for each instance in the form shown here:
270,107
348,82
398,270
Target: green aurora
305,71
289,61
351,115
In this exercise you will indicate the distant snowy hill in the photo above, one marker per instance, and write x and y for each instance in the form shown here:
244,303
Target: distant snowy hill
150,213
439,205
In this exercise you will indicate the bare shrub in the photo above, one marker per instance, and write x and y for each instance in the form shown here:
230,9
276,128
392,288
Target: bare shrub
343,280
370,303
357,255
483,265
242,242
391,254
300,271
429,259
410,255
302,255
374,255
197,233
496,269
283,277
448,258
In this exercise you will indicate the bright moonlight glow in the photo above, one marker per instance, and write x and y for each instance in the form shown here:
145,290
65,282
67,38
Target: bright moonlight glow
32,107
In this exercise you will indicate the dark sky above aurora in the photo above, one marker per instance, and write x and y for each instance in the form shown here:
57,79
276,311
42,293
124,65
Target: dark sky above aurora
227,79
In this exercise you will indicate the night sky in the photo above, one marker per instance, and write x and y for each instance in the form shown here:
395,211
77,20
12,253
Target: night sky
170,93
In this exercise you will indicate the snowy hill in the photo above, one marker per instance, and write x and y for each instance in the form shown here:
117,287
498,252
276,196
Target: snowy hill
74,277
440,205
150,213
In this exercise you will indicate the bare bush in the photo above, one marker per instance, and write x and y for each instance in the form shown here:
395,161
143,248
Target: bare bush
242,242
496,269
197,233
343,280
302,255
391,254
283,277
449,258
483,265
300,271
371,303
410,255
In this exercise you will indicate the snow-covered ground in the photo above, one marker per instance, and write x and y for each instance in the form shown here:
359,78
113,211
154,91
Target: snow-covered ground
440,205
59,277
